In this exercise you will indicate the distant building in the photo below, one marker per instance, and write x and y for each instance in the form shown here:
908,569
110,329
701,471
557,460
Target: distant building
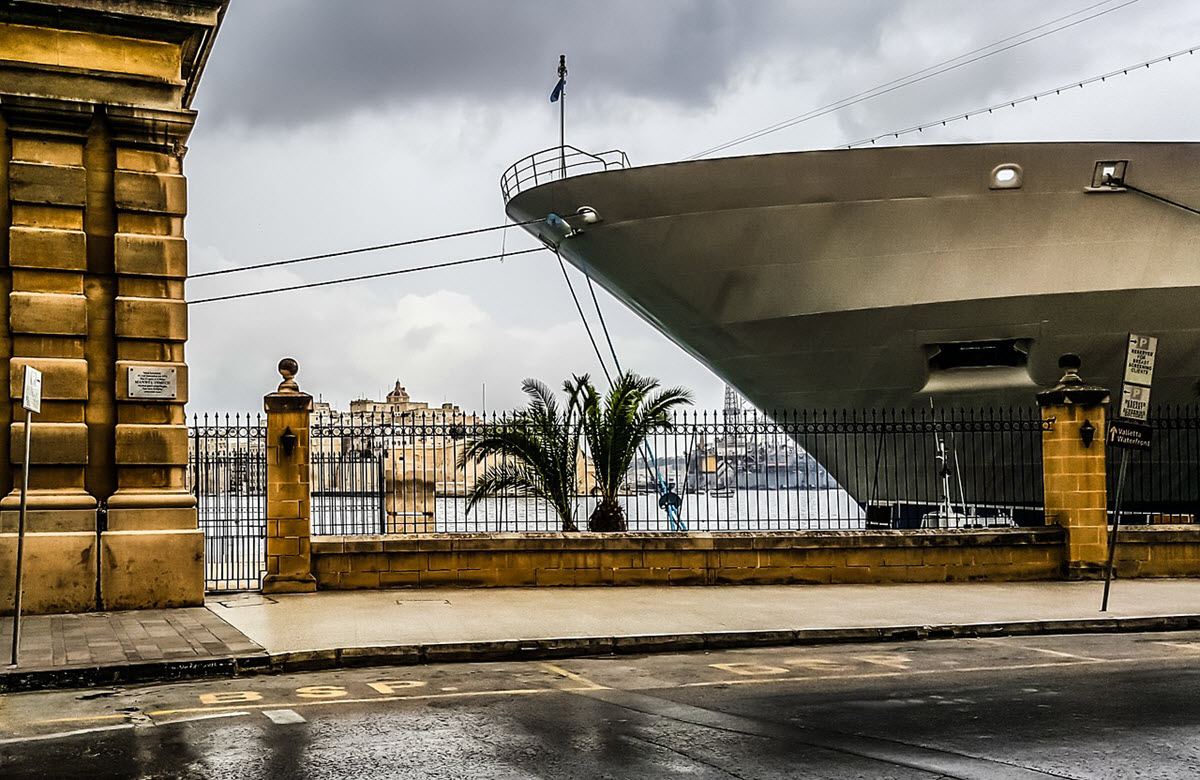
399,403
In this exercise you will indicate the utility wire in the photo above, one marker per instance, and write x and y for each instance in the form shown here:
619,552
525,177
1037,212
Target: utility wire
918,76
360,250
1014,102
363,277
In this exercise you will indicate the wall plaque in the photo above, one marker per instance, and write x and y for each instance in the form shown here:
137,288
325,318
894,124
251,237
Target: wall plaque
152,382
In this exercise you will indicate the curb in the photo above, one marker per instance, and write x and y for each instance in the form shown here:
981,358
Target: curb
566,647
14,681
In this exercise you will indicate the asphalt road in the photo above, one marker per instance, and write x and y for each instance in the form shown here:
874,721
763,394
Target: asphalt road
1088,706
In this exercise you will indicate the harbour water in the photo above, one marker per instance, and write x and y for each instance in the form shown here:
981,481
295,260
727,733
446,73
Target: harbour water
731,510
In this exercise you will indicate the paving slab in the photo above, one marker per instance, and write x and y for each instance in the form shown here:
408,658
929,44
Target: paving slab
356,619
106,647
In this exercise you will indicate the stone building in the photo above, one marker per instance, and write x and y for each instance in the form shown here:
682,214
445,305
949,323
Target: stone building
95,113
399,404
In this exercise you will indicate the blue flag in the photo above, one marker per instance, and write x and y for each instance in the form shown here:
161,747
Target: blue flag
558,89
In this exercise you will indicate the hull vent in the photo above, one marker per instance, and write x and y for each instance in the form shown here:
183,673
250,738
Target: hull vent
973,366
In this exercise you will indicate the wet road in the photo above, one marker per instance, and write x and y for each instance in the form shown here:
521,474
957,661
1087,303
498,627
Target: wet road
1119,706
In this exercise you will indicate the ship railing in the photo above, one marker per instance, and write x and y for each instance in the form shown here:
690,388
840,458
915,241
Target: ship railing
555,163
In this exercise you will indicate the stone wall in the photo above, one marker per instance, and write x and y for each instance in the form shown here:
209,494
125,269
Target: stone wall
1158,551
813,557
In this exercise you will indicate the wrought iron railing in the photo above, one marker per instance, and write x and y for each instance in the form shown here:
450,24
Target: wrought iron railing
1163,484
401,473
558,162
227,472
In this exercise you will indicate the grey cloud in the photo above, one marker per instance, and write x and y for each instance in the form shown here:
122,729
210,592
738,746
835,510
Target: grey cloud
291,61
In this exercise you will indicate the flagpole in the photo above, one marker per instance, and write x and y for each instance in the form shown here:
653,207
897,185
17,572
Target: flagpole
562,117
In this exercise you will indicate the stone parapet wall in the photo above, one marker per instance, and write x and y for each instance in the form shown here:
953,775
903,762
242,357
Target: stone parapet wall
813,557
1158,551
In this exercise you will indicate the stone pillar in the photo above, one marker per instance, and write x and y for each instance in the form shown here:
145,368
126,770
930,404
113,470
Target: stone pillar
47,328
152,528
1073,469
95,112
289,560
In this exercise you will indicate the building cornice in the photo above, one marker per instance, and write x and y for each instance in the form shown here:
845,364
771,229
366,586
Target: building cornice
190,25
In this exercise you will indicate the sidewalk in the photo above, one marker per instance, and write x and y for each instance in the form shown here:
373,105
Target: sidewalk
242,633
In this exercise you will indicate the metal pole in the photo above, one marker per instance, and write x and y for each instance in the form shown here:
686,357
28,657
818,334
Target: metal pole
16,629
1112,538
562,117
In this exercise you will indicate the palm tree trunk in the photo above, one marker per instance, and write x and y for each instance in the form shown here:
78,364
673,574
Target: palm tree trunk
607,516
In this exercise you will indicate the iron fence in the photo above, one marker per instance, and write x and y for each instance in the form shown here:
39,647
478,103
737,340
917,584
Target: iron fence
401,473
392,473
227,472
1163,484
347,491
386,473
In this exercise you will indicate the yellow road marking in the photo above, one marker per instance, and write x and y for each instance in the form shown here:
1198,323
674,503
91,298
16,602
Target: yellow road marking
284,705
318,703
750,670
817,664
595,686
1058,653
881,659
86,717
587,684
874,675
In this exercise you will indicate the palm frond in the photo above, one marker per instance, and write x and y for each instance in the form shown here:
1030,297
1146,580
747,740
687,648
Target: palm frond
617,426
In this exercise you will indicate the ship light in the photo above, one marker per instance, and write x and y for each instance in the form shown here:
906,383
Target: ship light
1006,177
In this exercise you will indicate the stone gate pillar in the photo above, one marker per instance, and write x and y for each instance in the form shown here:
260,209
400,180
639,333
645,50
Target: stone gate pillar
95,113
289,559
1074,470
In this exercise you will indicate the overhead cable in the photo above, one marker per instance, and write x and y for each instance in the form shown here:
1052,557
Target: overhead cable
921,75
364,277
1017,101
360,250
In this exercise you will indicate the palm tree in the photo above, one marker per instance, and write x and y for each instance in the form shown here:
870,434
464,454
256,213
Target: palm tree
615,428
538,450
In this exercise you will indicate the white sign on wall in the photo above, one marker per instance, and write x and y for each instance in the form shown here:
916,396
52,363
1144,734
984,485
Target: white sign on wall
153,382
31,396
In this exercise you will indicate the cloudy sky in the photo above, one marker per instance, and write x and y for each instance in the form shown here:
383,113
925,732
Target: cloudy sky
332,125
